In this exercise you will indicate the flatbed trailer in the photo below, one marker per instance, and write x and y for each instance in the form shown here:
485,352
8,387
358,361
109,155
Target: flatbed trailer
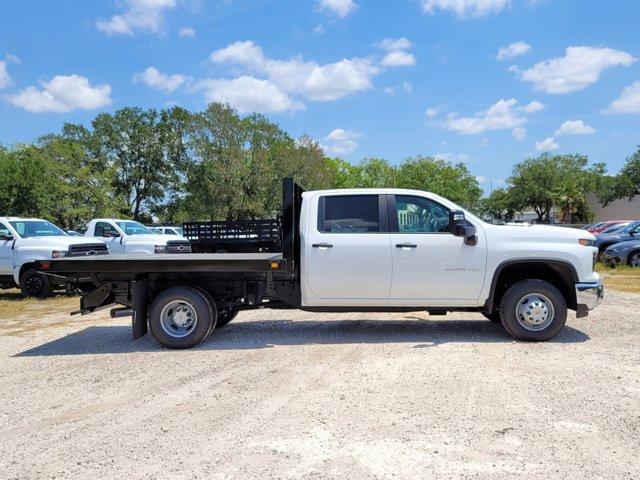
228,282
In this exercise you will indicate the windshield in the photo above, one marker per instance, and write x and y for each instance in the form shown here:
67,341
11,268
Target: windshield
631,227
36,228
134,228
180,231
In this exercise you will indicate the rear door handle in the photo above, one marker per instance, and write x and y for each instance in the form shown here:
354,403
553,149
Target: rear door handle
322,245
406,245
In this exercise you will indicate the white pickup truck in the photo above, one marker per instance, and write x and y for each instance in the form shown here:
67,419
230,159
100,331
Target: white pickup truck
25,240
128,236
357,250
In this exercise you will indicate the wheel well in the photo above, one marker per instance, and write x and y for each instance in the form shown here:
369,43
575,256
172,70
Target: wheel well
561,275
26,267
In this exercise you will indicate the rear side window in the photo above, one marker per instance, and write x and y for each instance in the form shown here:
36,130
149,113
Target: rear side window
349,214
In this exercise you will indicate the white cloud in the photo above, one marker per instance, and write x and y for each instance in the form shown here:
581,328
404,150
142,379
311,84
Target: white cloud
579,68
340,142
340,8
465,8
481,179
628,102
187,32
519,133
154,78
397,55
248,94
407,87
63,93
13,59
138,15
574,127
502,115
547,145
432,112
389,90
315,82
513,50
452,157
5,79
533,107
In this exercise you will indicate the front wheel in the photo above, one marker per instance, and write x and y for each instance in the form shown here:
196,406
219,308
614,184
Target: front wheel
533,310
33,284
634,260
181,317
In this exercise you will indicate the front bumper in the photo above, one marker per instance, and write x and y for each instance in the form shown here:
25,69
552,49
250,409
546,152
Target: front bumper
588,296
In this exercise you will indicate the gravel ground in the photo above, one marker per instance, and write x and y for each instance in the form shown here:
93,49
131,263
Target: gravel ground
299,395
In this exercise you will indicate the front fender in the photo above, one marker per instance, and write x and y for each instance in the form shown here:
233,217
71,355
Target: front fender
26,257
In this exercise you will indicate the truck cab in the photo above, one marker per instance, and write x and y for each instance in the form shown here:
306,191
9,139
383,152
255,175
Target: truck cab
131,237
23,241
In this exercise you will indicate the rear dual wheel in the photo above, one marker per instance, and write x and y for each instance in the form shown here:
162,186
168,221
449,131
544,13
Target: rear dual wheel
181,317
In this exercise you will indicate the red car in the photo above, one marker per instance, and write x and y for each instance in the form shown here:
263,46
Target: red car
601,226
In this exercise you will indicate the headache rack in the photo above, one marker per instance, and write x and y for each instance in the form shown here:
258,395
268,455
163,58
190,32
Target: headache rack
234,236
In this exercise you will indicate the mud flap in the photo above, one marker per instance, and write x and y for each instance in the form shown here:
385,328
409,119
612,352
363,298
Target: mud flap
140,300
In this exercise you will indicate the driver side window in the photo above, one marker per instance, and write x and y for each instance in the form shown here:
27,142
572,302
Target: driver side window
421,215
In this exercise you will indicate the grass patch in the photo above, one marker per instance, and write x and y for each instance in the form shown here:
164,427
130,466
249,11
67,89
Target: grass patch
622,278
13,304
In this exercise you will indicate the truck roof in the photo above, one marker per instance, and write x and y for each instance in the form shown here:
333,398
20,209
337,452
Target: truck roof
13,219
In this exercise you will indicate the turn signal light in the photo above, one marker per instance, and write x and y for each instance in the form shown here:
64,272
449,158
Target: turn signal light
586,242
275,265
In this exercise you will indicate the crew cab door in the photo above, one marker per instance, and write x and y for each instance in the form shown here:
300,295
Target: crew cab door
6,251
347,249
431,266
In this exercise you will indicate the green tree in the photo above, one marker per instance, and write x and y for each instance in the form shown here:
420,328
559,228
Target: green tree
25,183
145,150
625,184
499,205
453,182
562,181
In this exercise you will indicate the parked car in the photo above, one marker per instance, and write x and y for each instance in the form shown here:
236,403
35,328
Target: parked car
25,240
614,229
358,250
170,230
631,232
129,236
623,253
600,227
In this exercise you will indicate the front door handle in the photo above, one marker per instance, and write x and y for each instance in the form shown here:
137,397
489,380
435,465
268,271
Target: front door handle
406,245
322,245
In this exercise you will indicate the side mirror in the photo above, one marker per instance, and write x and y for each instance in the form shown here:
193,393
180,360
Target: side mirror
461,228
6,236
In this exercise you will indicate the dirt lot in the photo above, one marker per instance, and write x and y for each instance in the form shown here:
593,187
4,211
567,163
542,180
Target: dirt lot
299,395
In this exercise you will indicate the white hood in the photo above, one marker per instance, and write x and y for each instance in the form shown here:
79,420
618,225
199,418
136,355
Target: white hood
154,239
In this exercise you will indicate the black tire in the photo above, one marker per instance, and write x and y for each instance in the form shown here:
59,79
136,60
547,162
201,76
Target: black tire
225,316
555,319
33,284
191,299
212,301
493,316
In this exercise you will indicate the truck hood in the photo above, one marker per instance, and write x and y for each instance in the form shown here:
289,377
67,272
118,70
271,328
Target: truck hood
542,232
57,243
150,239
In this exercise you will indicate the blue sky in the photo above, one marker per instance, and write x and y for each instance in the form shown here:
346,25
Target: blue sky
487,82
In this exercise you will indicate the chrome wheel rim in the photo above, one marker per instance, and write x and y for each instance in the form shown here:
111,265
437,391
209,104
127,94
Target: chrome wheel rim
535,312
635,260
178,319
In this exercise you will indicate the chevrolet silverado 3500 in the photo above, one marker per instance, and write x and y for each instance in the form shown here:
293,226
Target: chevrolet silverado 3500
355,250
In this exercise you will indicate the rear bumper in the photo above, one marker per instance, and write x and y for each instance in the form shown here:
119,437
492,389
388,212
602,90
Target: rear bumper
588,296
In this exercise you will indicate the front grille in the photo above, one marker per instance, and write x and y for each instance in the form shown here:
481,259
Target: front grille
88,249
178,246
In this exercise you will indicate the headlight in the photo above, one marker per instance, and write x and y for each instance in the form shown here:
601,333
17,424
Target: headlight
58,253
160,249
586,242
